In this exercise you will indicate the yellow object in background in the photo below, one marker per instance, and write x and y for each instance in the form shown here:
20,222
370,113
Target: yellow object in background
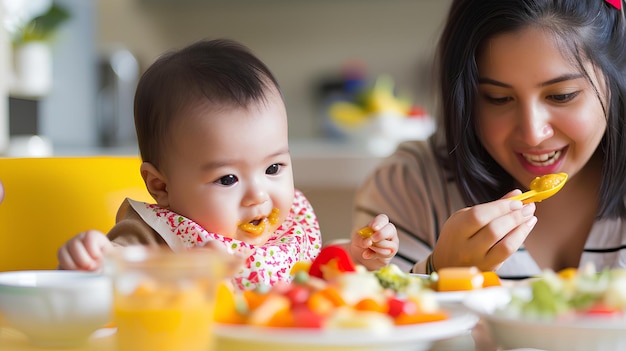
347,114
49,200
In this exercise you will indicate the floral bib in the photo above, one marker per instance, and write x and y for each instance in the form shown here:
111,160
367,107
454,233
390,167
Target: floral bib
297,239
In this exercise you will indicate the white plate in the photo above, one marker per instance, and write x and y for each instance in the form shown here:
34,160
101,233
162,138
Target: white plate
580,334
451,296
460,296
445,297
414,338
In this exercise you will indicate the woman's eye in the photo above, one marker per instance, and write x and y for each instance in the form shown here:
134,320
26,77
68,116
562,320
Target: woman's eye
498,100
273,169
227,180
564,97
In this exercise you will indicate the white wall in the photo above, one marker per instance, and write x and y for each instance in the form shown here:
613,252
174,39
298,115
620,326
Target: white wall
300,40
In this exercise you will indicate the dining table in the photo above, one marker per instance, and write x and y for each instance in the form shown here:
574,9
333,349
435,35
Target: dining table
104,339
13,340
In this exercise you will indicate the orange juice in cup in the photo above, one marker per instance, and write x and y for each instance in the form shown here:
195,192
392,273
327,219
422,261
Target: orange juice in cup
164,300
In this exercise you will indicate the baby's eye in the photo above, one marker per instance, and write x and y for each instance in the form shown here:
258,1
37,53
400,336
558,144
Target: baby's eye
273,169
562,98
227,180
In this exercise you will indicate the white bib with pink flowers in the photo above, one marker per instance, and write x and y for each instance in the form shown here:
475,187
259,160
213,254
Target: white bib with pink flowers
297,239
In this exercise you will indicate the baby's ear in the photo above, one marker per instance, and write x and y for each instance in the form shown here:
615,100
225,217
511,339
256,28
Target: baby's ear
155,183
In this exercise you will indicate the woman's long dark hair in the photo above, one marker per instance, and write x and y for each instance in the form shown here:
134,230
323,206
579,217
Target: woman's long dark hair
586,30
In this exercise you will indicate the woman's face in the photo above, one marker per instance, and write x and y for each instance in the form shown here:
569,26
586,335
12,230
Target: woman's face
536,112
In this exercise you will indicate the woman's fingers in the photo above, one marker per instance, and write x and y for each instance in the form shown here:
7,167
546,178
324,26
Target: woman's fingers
484,235
511,242
477,217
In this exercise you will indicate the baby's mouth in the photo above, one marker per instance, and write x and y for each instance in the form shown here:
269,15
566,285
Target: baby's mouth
257,226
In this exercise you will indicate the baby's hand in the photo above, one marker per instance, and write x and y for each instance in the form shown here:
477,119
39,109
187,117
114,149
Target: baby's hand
85,251
375,245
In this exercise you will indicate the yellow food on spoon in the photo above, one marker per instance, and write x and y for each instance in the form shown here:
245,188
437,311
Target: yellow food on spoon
542,188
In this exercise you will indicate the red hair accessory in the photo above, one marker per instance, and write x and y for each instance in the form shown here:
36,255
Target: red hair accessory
615,3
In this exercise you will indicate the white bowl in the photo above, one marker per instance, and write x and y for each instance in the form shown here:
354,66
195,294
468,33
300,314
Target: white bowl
55,308
581,334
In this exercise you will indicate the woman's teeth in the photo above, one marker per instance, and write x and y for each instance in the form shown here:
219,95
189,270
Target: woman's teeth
543,159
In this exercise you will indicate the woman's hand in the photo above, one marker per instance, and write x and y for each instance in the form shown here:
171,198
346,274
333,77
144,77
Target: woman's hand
377,250
484,235
84,251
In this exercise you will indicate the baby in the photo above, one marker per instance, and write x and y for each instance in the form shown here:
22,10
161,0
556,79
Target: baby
212,131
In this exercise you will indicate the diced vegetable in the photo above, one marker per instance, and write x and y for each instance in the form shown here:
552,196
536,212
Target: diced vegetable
346,296
366,232
572,292
331,262
459,278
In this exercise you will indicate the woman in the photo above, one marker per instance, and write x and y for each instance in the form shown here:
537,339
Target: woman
527,87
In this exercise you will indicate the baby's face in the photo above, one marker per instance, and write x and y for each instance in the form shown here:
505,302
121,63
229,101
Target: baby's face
229,169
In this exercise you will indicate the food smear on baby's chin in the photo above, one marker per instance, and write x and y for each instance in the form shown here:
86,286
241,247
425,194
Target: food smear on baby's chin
257,227
274,216
254,229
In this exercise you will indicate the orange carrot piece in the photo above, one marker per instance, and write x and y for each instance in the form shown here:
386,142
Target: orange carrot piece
491,279
420,317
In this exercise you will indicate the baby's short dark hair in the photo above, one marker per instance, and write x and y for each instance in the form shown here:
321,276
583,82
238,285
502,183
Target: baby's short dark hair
221,72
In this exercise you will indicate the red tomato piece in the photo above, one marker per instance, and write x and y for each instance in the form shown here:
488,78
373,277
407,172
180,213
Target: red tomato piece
298,295
603,310
303,317
331,257
398,306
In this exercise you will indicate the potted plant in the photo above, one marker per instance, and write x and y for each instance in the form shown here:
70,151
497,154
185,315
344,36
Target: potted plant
32,53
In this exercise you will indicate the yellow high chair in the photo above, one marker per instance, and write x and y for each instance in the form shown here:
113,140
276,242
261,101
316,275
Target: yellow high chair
49,200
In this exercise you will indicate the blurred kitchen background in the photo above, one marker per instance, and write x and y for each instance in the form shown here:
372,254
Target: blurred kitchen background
82,103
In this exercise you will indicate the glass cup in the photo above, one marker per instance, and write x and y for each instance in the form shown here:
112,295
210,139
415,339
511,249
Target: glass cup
164,300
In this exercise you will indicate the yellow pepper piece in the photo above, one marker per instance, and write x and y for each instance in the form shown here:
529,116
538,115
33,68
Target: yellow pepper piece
366,232
300,266
459,278
225,306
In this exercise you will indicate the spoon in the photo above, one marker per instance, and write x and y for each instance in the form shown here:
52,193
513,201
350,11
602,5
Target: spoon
542,188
